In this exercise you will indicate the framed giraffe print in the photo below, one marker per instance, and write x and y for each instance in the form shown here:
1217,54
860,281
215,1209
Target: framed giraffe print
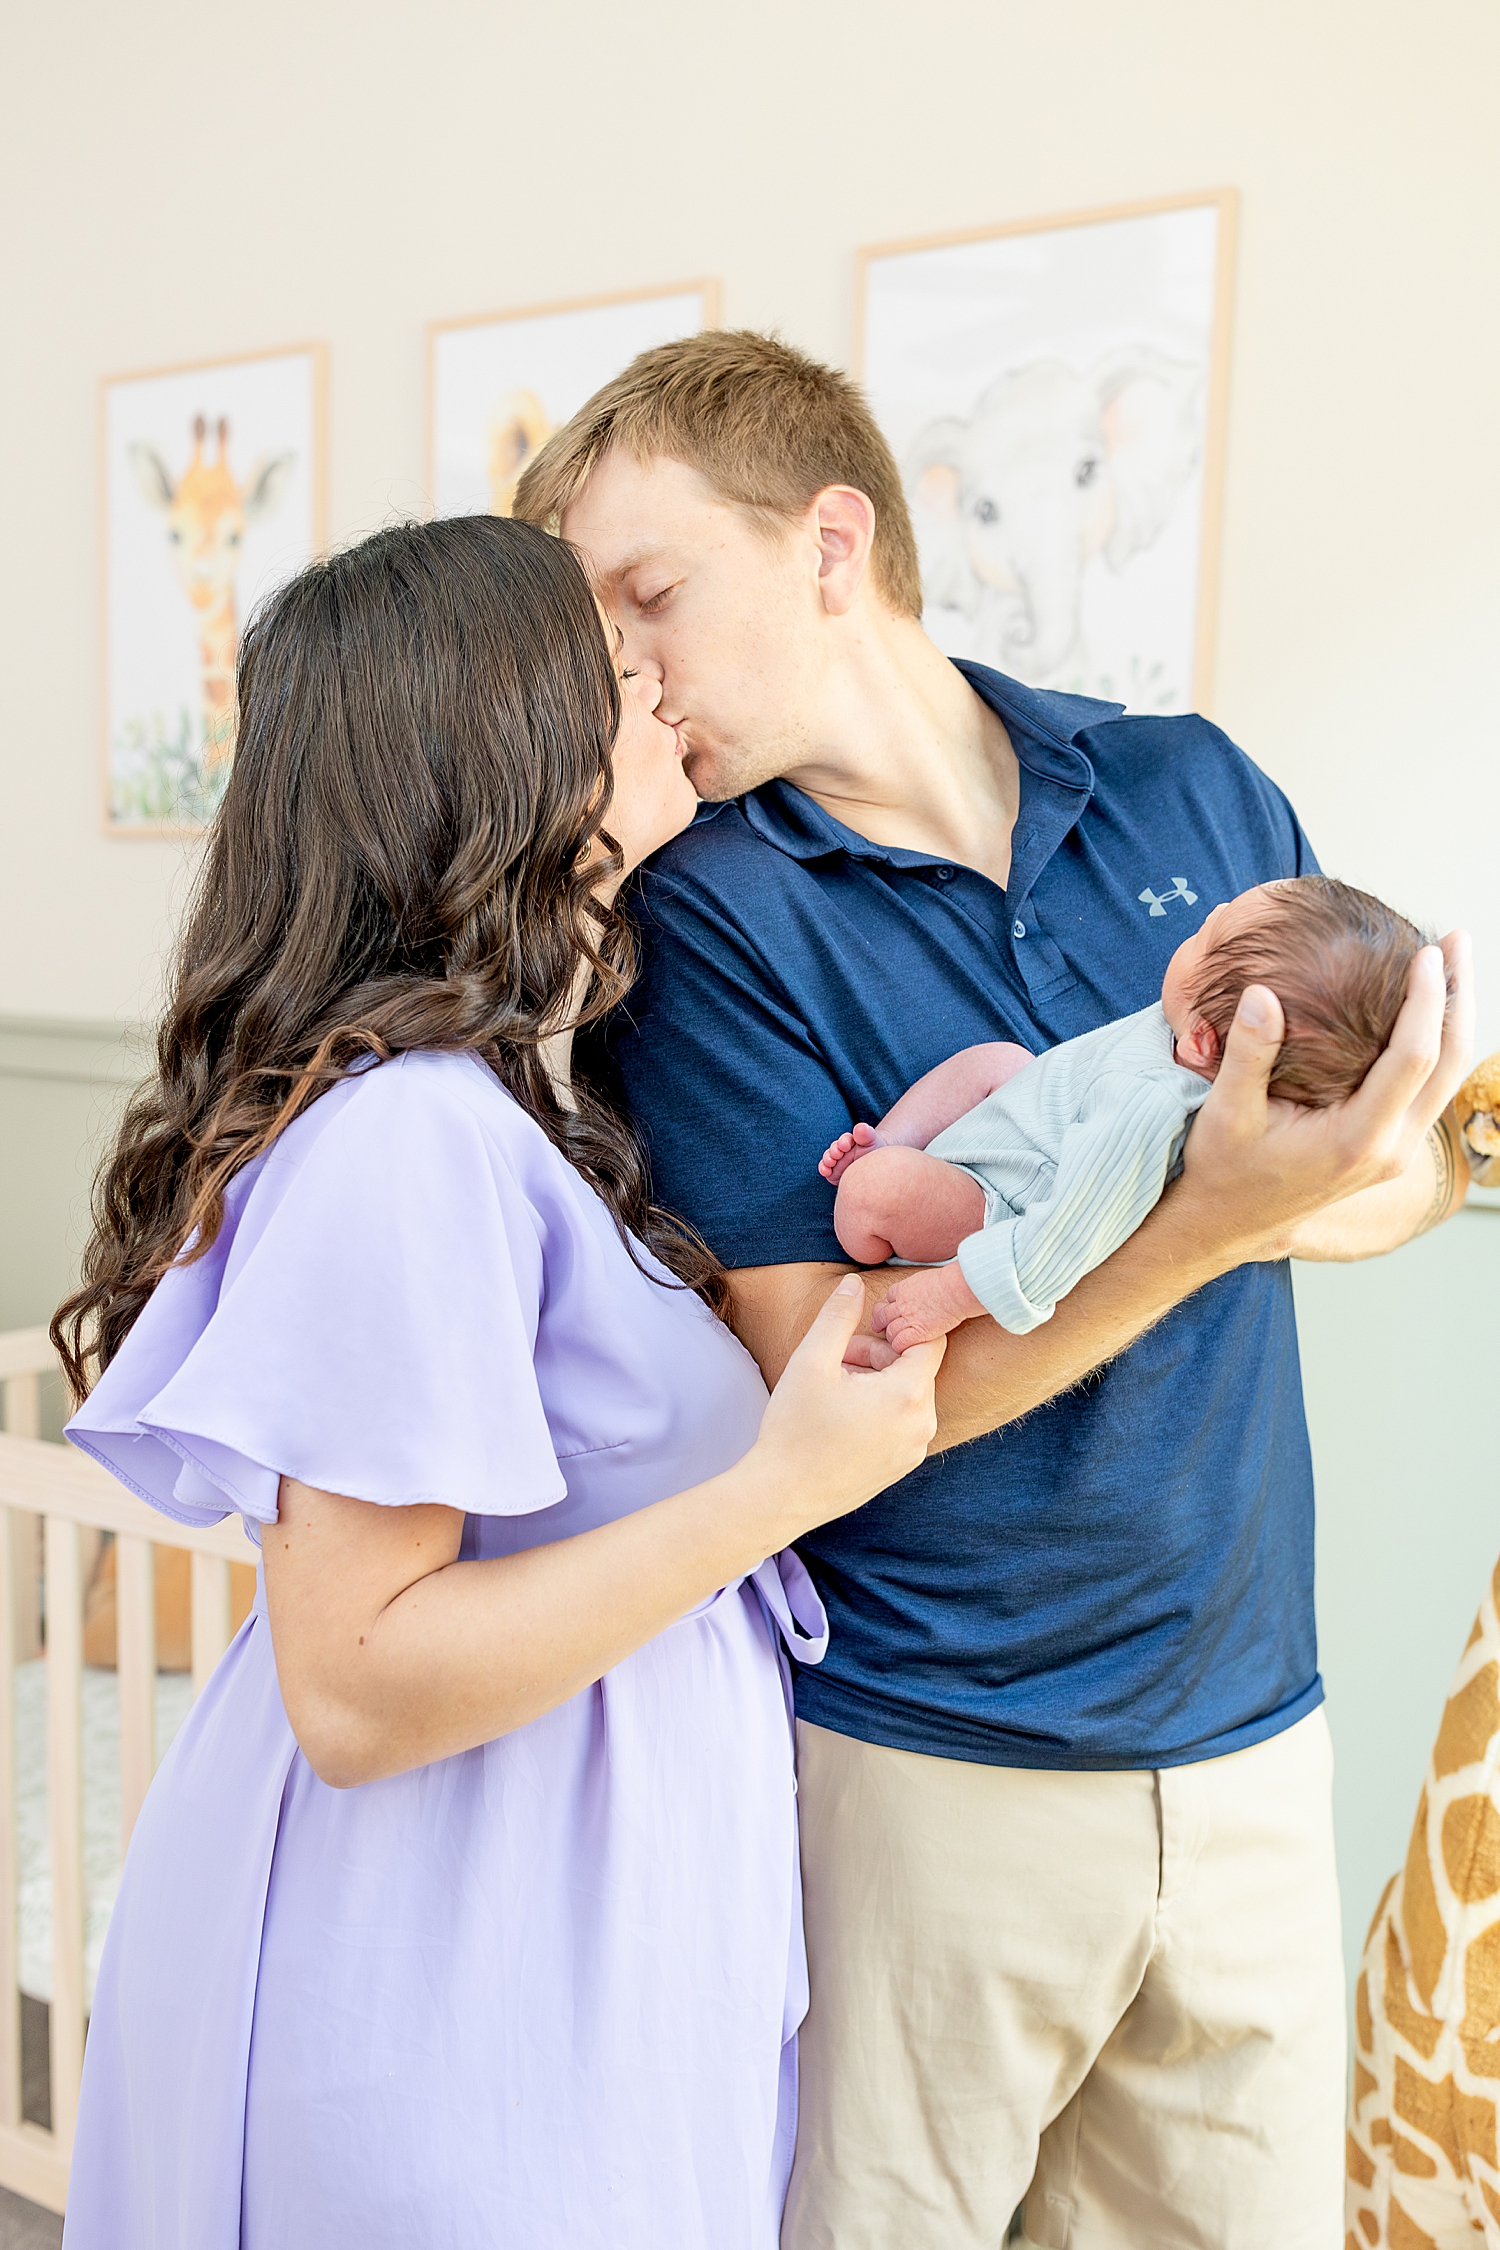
498,384
213,494
1055,394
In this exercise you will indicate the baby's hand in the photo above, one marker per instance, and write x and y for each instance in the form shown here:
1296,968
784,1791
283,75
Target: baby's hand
925,1305
840,1154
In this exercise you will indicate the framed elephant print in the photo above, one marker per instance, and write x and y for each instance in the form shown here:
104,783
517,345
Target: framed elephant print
1055,393
502,382
213,494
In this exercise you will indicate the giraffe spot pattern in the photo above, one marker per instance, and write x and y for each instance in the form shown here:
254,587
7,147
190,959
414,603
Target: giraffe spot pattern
1424,2172
1471,1847
1470,1717
1405,2234
1422,2031
1479,2032
1385,1900
1421,1916
1459,2123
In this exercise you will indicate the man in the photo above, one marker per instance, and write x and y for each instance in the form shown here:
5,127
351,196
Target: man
1064,1778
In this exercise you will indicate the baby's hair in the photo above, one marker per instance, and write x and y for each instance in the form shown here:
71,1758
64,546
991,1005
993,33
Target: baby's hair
1338,960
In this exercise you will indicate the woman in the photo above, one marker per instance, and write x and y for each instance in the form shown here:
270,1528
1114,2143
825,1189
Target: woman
463,1911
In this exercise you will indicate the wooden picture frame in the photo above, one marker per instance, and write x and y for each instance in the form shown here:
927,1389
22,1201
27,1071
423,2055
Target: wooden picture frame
499,382
1093,345
232,452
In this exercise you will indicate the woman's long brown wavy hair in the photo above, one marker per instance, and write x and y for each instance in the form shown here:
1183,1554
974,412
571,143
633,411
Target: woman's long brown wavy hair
422,771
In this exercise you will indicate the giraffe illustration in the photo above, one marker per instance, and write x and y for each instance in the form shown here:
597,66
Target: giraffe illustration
207,512
1423,2165
518,428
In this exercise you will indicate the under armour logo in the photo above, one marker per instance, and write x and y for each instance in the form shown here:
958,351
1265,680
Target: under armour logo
1159,903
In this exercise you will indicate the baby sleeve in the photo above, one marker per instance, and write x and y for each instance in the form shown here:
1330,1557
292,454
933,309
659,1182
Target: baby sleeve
1112,1165
366,1321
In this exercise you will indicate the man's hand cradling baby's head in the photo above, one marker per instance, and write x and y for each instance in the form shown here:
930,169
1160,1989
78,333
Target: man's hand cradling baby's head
1338,960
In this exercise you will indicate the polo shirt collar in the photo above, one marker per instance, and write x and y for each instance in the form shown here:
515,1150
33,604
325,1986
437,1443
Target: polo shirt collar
1048,724
1044,727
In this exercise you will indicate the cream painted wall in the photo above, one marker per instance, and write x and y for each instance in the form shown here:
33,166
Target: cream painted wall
196,179
191,179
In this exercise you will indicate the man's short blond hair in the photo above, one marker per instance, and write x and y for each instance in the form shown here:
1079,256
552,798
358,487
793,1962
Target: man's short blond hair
767,426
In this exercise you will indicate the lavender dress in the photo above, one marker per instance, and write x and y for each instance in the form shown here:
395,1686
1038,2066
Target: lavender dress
539,1996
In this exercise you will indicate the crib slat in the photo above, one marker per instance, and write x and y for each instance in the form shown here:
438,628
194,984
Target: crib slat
23,1405
65,1808
135,1656
56,1480
10,2002
25,1584
210,1616
21,1415
25,1351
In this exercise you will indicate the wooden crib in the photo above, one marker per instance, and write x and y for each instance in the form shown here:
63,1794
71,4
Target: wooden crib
55,1508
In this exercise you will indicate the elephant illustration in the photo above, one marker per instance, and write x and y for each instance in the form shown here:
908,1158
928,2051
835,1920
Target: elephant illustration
1054,469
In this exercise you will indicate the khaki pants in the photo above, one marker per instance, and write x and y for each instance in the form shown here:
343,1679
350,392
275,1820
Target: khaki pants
1119,1995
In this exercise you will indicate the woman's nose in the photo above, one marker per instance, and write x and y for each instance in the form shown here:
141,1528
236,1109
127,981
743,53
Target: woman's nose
651,685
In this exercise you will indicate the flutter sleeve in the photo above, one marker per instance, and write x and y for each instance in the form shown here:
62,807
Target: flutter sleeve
1112,1165
366,1321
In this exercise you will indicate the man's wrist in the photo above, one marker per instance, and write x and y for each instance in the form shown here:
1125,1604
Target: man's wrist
1452,1170
1191,1221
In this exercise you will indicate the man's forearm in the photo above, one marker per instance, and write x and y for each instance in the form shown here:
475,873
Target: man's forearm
990,1377
1379,1219
1255,1173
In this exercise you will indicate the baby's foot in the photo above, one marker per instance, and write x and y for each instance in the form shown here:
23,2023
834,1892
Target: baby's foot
924,1306
840,1154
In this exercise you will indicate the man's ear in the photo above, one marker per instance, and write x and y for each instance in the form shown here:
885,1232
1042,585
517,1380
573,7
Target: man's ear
1202,1048
843,523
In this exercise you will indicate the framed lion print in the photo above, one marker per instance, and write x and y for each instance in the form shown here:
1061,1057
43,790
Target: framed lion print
500,383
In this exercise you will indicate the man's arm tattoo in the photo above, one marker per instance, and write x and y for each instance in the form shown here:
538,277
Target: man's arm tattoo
1445,1162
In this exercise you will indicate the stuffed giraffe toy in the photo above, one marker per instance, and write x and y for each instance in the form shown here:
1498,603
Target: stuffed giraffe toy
1424,2171
1423,2162
207,511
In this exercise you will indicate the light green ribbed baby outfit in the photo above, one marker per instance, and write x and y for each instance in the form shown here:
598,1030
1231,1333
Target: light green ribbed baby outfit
1071,1153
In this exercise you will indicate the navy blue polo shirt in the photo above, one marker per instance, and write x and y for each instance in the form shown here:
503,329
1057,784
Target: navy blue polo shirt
1124,1578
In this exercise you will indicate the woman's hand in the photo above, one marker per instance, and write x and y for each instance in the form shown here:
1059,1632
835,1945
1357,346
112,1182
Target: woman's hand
834,1435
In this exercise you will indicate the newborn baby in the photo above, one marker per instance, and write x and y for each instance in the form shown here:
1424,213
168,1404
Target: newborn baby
1031,1172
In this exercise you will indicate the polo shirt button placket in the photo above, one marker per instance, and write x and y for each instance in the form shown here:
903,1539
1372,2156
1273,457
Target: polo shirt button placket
1018,929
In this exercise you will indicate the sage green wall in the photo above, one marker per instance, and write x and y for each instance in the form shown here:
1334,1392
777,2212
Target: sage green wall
61,1085
1398,1363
